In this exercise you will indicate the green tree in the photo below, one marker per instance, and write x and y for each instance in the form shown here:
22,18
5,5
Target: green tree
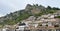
49,8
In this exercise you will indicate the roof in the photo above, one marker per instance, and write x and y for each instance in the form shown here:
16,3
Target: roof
21,24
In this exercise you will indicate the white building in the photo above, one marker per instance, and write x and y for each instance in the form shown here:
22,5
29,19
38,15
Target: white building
4,29
20,27
51,16
49,24
31,18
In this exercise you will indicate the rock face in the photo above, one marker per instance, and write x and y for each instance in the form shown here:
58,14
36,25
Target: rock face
34,9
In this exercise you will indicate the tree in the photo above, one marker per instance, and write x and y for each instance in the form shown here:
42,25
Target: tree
36,4
49,7
54,8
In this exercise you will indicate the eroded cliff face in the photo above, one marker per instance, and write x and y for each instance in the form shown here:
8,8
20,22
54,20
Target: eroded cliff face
34,9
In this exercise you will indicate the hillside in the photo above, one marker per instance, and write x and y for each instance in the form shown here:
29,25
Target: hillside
30,10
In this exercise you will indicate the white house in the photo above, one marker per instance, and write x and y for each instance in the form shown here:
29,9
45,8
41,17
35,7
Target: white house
49,24
31,18
21,27
51,16
4,29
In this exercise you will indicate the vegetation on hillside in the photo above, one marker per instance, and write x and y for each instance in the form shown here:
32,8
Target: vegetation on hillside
18,16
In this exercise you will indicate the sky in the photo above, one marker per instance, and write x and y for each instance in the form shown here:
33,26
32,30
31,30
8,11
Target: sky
7,6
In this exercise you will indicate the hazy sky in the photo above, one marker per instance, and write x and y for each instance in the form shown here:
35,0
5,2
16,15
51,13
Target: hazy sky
7,6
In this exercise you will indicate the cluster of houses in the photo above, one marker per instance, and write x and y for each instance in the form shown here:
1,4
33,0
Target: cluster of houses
42,23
